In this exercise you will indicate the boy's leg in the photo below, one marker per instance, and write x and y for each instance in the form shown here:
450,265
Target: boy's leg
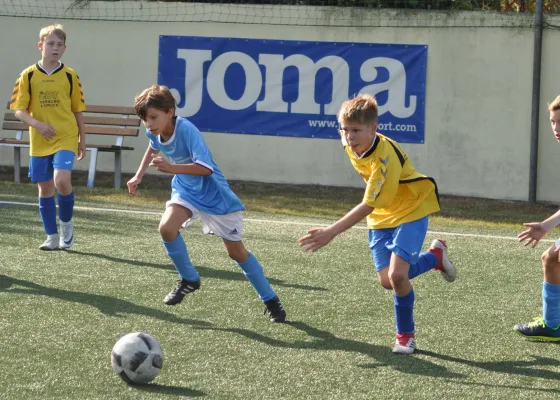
406,243
41,172
230,228
404,303
169,226
392,273
47,209
253,271
547,327
63,163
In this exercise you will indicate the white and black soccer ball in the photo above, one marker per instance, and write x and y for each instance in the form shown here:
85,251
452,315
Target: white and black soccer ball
137,358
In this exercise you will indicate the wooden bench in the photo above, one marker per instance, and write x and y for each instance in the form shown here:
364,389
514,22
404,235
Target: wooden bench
114,121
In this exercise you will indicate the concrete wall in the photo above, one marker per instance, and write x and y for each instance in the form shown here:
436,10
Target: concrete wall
477,99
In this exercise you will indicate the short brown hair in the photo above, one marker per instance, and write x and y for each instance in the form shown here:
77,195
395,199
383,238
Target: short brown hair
361,108
57,29
157,96
555,105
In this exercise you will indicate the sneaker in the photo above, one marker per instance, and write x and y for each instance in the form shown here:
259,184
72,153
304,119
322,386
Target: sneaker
275,310
182,288
445,266
405,343
51,243
66,234
538,330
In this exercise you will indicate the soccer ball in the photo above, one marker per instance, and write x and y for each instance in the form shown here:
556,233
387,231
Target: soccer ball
137,358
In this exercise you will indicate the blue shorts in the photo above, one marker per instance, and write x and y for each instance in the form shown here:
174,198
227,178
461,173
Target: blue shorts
405,240
41,169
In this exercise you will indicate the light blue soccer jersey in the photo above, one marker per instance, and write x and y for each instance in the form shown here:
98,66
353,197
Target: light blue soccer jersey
210,194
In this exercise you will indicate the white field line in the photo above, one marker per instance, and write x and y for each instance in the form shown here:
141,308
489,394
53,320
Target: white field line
270,221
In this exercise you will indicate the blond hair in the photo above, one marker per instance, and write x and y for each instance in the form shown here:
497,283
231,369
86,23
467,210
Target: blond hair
361,108
57,29
157,96
555,105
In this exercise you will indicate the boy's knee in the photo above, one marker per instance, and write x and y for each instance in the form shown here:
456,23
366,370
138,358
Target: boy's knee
386,284
166,232
46,189
238,255
63,185
549,259
397,278
383,278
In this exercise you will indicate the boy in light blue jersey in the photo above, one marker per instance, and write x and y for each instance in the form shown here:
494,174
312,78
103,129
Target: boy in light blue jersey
199,191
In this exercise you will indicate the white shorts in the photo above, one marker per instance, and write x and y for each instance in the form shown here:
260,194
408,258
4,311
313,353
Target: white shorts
227,226
557,243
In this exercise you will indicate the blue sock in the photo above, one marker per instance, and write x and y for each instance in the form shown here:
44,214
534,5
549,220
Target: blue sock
177,251
47,209
551,304
65,206
403,313
426,261
255,274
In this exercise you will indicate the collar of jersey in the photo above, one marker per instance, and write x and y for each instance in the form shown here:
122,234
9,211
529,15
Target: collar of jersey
172,138
371,149
60,66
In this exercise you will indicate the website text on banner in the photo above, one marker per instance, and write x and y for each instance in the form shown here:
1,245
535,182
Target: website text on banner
292,88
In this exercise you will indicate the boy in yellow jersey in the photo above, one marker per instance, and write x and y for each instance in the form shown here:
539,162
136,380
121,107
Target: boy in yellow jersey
546,327
48,97
397,202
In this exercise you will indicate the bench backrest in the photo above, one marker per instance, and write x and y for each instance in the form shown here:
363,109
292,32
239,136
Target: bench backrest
114,121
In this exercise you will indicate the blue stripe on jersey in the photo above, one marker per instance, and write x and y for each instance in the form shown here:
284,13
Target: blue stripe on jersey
210,194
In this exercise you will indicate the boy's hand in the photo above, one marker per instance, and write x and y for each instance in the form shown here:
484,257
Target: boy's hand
161,164
45,130
533,234
133,185
315,239
81,151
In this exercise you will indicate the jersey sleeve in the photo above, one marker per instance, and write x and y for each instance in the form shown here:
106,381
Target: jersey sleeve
383,183
154,142
78,101
20,96
198,148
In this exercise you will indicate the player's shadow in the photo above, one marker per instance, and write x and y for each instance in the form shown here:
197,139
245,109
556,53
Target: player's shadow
517,367
505,386
169,390
205,272
110,306
325,340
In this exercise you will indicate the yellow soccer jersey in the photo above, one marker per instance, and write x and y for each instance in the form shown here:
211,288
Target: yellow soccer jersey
396,191
52,99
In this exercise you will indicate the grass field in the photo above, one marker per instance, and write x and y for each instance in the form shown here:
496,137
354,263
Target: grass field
63,311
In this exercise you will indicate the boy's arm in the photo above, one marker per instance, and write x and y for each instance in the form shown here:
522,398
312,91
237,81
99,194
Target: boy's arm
350,219
150,152
188,169
537,230
144,164
45,130
82,135
319,237
20,103
552,221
